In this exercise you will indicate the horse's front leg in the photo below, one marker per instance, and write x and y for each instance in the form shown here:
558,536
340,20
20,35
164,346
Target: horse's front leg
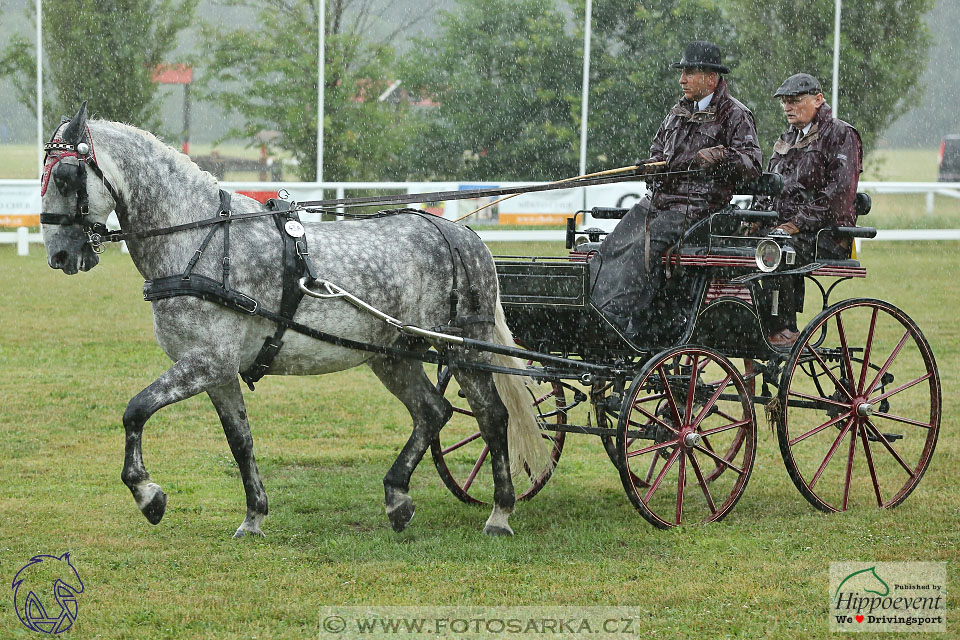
192,374
228,401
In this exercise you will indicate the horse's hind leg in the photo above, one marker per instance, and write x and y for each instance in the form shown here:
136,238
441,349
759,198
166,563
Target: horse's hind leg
429,410
228,401
492,417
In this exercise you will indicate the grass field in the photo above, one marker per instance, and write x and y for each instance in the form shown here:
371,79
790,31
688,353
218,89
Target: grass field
75,349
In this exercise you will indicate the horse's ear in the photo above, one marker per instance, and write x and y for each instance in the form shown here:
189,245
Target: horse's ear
75,130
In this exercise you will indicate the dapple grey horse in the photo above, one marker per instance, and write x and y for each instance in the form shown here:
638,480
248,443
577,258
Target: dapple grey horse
400,264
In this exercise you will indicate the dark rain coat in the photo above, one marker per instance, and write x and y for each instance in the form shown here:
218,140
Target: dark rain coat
821,172
627,272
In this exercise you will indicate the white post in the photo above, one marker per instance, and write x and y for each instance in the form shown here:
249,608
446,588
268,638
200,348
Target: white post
585,92
23,241
321,72
39,89
835,101
930,202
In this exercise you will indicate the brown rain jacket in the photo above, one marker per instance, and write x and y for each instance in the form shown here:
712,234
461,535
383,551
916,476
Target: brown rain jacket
821,171
725,122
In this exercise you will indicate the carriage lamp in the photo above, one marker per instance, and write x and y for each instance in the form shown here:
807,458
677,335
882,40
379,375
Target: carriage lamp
768,255
789,255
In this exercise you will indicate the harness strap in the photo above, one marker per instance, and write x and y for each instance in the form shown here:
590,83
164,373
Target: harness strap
295,261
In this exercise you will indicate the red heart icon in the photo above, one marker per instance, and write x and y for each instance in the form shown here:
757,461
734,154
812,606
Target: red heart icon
859,618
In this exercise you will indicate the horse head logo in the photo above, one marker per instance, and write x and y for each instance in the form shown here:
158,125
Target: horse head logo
865,580
32,587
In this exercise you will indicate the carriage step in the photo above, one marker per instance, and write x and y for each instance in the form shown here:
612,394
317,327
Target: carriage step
889,436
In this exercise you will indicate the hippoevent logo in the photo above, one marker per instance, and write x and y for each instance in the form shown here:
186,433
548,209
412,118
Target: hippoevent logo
888,596
45,593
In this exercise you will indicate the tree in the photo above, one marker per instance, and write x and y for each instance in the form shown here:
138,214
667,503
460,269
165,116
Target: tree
269,79
632,86
505,75
883,49
104,51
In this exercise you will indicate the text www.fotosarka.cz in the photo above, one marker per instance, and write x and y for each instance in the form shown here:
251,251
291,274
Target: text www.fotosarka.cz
480,622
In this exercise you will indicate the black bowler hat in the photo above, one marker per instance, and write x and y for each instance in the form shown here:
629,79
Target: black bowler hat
701,54
799,84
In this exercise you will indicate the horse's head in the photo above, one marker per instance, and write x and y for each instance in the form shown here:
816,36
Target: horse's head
75,211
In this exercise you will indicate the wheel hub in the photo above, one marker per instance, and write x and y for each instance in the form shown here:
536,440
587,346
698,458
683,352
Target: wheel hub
864,409
692,439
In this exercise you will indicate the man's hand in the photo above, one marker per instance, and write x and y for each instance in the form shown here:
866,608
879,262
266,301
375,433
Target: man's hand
710,156
789,228
649,166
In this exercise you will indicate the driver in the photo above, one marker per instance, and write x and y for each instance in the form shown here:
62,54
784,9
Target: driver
708,143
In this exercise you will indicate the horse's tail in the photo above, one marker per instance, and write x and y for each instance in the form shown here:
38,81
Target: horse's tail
528,449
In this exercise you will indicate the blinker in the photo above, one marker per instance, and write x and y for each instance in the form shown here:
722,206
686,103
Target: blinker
68,176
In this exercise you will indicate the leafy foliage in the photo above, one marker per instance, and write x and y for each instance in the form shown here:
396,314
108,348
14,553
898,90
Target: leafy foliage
883,52
504,74
104,52
269,79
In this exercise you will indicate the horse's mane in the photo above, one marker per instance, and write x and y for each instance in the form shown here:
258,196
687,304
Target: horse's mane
152,149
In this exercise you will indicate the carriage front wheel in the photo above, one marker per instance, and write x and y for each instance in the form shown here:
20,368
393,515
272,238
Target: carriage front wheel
687,416
859,406
462,458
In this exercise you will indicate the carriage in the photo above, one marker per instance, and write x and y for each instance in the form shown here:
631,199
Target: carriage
855,402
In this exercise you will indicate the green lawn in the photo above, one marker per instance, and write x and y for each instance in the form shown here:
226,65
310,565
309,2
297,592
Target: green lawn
75,349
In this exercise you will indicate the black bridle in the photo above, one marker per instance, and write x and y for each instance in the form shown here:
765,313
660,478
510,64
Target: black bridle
66,164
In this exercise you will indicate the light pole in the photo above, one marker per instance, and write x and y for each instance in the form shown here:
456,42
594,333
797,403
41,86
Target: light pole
836,58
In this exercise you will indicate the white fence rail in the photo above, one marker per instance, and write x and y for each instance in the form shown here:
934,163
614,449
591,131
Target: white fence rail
22,197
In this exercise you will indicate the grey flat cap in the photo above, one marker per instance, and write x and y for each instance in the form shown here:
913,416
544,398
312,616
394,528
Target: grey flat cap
799,84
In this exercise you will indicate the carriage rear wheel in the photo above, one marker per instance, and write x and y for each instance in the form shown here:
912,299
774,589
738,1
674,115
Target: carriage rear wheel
687,417
859,406
462,457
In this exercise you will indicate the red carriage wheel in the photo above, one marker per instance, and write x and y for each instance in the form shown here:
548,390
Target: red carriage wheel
859,407
732,447
461,456
686,405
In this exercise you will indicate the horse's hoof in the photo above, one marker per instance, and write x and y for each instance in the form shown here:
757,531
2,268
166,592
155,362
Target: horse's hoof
155,509
401,516
254,533
494,531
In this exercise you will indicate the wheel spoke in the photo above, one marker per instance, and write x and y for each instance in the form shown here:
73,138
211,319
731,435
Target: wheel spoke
827,370
691,390
476,468
833,449
846,484
466,440
663,472
886,444
886,365
831,401
682,479
669,393
725,463
657,420
465,412
815,430
873,470
867,349
710,403
906,385
890,416
702,482
653,467
653,447
727,427
848,367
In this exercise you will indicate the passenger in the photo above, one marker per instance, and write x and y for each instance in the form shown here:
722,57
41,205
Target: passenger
708,143
820,159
